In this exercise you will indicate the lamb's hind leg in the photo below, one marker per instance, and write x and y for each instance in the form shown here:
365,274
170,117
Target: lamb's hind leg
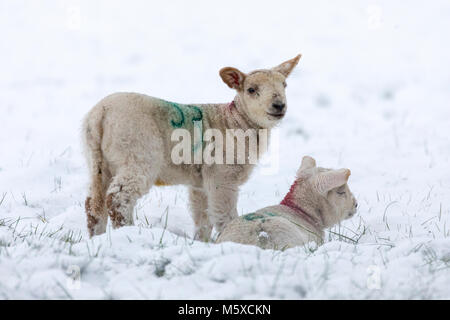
96,214
199,207
127,186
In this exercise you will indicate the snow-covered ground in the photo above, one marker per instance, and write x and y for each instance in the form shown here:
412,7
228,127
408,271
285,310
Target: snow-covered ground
371,93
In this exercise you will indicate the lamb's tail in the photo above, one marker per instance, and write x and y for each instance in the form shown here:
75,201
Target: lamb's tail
92,133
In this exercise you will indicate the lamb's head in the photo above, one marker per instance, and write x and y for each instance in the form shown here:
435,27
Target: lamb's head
325,191
261,93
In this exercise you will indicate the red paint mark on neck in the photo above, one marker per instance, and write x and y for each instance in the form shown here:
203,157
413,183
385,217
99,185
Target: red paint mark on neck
290,195
291,202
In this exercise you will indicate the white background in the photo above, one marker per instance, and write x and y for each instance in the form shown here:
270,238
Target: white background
371,93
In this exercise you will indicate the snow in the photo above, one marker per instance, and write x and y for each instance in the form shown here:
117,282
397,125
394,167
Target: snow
263,234
371,94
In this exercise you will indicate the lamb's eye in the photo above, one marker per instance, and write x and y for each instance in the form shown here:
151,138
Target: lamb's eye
251,90
340,192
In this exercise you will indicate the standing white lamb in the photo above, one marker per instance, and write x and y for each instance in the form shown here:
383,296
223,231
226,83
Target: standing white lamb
318,199
127,138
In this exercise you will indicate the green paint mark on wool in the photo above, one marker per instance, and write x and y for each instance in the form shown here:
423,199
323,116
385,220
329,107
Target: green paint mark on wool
271,214
258,216
184,112
179,123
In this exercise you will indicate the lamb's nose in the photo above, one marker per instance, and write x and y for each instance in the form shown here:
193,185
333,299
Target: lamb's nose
278,106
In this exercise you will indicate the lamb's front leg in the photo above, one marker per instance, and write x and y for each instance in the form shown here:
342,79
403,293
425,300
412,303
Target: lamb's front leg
199,206
222,203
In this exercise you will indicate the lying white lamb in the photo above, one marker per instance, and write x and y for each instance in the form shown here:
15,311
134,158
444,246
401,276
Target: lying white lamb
318,199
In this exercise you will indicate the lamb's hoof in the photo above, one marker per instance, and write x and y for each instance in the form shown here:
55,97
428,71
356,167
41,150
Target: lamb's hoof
203,234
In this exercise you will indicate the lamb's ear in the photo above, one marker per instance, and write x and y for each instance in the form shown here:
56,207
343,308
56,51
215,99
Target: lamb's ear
331,179
286,67
307,163
232,77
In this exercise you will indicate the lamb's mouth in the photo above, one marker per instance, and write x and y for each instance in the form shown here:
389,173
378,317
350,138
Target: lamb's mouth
276,115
